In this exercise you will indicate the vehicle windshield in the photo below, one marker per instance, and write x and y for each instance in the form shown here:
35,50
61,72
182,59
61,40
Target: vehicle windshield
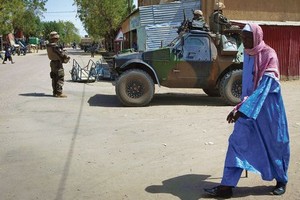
174,41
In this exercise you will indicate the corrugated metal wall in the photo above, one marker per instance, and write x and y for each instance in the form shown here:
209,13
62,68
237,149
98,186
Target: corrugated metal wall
160,35
286,41
165,13
161,22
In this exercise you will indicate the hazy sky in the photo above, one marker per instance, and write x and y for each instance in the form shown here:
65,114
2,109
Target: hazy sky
65,11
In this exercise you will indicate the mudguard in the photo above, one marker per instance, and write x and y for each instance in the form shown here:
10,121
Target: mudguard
138,61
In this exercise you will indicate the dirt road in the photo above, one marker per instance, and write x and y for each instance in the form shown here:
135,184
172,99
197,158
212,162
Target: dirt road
89,147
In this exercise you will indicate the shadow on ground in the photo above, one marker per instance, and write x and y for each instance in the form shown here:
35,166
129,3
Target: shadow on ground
78,53
106,100
36,95
71,53
81,81
190,187
42,54
186,99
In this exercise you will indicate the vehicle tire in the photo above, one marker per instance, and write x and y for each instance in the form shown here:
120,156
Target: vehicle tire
135,88
212,92
92,75
74,74
230,87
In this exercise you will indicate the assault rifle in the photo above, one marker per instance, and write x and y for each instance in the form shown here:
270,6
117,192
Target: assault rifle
184,25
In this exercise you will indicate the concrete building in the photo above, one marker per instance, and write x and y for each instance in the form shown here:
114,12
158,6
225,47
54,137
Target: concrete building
279,19
274,10
256,10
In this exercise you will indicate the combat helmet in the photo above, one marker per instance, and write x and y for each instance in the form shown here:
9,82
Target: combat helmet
198,12
219,6
54,35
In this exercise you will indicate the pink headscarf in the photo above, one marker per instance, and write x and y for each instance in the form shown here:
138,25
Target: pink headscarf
265,57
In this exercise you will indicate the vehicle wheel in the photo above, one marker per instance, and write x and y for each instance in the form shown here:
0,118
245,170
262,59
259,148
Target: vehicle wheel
92,75
135,88
212,92
231,87
74,74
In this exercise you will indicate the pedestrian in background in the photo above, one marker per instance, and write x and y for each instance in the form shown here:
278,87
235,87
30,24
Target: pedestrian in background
93,49
1,56
57,57
7,55
74,45
260,139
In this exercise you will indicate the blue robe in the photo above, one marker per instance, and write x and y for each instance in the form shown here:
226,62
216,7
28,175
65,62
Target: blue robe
260,140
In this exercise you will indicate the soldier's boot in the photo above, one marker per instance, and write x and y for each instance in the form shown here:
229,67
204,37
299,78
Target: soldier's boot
61,95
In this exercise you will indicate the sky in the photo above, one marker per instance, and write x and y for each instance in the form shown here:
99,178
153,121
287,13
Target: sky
65,11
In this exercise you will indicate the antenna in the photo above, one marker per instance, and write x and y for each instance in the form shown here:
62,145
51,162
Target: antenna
218,25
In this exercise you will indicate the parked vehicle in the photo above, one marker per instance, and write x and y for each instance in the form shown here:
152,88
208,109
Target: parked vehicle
22,49
86,43
195,59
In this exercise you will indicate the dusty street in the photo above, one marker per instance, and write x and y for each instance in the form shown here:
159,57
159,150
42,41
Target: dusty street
89,147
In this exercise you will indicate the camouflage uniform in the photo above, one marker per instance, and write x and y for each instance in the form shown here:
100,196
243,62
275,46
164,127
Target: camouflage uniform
57,57
217,21
198,22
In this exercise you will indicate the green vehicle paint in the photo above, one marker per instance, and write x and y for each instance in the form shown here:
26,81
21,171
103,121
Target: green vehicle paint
194,60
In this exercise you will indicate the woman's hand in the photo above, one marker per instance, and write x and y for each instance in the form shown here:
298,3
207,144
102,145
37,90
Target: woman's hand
233,116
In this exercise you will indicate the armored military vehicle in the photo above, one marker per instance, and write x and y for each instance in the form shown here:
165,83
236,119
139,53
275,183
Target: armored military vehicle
85,43
195,59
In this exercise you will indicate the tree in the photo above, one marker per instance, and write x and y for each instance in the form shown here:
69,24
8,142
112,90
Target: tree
36,6
67,31
8,10
28,19
102,18
22,15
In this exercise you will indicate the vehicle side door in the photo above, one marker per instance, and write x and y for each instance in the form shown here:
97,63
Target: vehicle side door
194,63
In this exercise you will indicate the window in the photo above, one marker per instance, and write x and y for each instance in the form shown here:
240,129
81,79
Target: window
196,49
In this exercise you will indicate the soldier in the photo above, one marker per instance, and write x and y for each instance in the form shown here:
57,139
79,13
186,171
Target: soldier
198,22
57,57
217,21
